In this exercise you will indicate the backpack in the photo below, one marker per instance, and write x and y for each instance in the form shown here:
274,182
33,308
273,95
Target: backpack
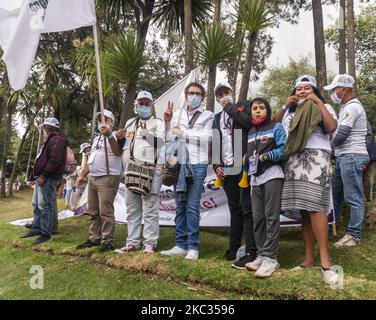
71,163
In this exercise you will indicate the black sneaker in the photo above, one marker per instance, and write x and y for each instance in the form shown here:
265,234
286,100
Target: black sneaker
229,255
30,234
87,244
106,247
42,238
28,225
240,264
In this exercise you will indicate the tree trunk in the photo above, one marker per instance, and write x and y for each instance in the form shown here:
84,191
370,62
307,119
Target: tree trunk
211,84
2,101
243,93
342,37
217,11
18,156
127,111
351,40
318,25
188,41
6,150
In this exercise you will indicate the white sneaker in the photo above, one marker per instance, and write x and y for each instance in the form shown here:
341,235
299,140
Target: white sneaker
330,276
347,241
192,254
149,248
267,268
255,264
175,251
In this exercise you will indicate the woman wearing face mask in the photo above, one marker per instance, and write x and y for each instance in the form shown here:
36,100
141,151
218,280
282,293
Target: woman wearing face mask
309,122
193,126
145,138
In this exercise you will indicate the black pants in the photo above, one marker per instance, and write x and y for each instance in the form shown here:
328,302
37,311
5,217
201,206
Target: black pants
241,221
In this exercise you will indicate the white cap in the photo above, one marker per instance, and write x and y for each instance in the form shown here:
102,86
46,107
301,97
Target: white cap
83,146
107,113
50,121
306,79
342,80
145,94
222,85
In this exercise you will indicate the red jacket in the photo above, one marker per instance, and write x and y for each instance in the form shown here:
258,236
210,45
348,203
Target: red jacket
52,158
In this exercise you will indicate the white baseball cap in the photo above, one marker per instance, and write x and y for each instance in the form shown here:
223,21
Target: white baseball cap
306,79
342,80
50,121
83,146
222,85
107,113
145,94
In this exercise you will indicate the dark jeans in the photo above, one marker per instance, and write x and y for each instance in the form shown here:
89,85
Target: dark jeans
241,221
44,199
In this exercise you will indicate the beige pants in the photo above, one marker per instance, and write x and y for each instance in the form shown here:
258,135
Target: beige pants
101,196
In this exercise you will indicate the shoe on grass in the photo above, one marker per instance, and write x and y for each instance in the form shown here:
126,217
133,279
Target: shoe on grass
330,276
229,255
30,234
267,268
106,247
255,264
41,239
149,248
87,244
192,254
127,249
28,225
240,264
347,241
175,251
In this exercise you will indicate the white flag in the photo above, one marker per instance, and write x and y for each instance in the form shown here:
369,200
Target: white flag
24,25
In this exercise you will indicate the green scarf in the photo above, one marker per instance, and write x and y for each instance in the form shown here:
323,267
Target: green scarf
307,117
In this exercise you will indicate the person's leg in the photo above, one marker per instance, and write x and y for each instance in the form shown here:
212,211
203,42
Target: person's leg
74,198
249,238
107,190
93,209
68,196
258,215
272,200
37,197
194,193
47,207
309,241
151,219
181,220
319,223
337,192
55,220
134,218
232,189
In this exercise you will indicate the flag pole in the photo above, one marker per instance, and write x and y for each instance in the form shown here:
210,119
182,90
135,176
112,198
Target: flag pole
99,75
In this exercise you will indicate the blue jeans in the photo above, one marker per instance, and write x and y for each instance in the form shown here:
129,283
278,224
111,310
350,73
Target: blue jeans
347,186
187,218
44,206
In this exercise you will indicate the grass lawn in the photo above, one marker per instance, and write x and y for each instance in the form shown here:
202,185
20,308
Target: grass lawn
71,274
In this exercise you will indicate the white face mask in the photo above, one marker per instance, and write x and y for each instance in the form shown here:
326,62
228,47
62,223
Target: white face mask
228,98
335,98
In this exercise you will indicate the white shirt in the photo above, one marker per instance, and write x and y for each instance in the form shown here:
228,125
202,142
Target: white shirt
144,149
274,172
198,138
226,126
318,139
352,114
97,159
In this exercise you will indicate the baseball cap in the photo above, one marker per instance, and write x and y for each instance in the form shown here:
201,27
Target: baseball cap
145,94
107,113
342,80
50,121
222,85
306,79
83,146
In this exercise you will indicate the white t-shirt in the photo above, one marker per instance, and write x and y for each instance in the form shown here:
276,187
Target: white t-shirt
274,172
226,125
97,159
318,139
352,114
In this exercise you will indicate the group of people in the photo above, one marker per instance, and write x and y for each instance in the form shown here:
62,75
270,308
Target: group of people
267,165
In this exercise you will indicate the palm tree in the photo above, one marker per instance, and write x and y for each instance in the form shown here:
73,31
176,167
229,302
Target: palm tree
213,46
254,16
342,37
351,39
188,34
319,44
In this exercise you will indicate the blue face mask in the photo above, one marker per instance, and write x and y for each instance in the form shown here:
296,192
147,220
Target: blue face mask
144,112
194,101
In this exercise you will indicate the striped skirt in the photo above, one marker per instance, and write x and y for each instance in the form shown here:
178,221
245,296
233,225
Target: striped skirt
307,183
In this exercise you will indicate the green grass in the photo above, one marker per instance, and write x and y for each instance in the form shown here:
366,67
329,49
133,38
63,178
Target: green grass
89,275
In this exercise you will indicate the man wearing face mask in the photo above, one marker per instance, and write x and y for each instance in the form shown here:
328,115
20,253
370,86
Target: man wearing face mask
145,138
239,200
193,126
104,166
349,142
49,168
